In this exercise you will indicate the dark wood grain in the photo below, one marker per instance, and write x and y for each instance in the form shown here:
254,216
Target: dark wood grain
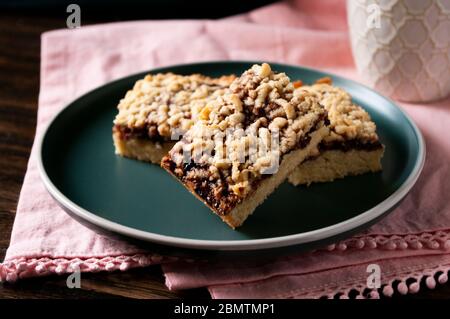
19,88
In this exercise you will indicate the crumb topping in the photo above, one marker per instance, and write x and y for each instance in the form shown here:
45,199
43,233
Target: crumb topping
348,121
160,103
260,104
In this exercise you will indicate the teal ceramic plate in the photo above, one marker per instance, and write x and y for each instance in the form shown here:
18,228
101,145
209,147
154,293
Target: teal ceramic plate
141,201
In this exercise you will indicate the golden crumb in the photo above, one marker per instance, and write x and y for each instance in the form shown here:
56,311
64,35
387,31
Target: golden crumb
163,102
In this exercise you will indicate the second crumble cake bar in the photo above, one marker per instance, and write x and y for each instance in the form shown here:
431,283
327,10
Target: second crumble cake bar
260,101
156,107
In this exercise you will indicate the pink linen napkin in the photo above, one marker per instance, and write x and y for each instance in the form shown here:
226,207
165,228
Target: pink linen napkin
410,245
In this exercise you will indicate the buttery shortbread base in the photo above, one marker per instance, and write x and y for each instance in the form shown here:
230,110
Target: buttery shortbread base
334,164
290,161
140,149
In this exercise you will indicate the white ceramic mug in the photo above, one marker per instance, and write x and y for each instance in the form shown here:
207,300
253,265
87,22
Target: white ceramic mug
402,47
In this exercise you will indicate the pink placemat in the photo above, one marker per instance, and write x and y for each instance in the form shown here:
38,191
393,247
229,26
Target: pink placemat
410,245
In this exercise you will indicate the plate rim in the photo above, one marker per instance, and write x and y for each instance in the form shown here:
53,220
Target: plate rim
247,244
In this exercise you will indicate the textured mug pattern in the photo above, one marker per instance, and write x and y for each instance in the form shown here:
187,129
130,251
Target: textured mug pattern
402,47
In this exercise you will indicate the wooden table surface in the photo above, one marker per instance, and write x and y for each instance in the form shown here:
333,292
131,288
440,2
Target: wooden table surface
19,88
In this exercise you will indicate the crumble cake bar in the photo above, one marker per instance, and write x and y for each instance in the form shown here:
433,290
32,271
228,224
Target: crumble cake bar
156,107
352,146
259,101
